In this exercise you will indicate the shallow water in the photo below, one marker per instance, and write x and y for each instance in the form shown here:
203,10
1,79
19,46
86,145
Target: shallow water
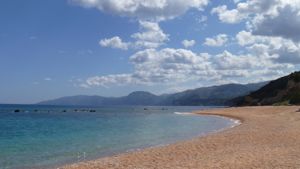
47,136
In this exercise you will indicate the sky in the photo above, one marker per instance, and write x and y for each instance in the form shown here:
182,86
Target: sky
56,48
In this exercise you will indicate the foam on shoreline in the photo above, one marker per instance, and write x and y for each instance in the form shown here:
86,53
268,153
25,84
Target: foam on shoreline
184,113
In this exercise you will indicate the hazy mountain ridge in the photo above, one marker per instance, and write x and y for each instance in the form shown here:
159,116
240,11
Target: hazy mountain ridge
214,95
285,90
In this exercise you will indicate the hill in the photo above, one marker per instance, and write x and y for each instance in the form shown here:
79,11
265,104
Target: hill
215,95
285,90
205,96
135,98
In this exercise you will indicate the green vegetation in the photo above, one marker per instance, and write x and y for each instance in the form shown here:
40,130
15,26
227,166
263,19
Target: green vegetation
295,97
284,103
295,76
283,91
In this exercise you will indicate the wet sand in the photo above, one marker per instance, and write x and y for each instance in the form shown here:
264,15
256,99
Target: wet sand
269,137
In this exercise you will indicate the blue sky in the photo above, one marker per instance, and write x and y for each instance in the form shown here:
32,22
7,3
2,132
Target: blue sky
56,48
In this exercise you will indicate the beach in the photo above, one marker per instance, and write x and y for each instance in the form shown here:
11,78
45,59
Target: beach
268,137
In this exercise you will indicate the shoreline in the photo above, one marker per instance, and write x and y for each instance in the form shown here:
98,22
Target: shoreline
268,137
235,119
235,123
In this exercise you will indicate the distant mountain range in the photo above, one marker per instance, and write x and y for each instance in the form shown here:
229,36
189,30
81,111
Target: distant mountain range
283,91
216,95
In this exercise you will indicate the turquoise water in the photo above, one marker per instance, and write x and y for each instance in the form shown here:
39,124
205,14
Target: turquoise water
43,137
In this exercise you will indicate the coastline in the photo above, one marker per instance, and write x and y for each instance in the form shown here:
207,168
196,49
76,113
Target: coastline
268,137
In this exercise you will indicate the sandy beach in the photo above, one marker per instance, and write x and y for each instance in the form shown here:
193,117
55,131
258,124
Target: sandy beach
269,137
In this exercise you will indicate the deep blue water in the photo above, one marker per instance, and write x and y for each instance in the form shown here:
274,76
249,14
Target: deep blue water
48,136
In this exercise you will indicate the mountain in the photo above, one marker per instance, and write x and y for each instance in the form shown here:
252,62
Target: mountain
135,98
215,95
285,90
76,100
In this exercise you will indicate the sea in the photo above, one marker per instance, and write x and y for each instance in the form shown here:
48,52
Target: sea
33,136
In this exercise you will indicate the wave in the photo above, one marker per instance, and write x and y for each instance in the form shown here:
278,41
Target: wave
183,113
236,122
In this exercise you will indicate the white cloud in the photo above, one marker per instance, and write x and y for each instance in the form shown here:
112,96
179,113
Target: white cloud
244,10
188,43
175,66
268,49
114,42
167,65
151,36
217,41
229,61
153,10
158,66
277,18
227,16
285,23
245,38
273,28
278,49
149,13
105,81
248,67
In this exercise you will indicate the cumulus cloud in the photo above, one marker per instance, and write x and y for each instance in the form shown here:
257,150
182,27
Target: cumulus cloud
245,38
243,10
149,13
249,66
285,23
227,16
158,66
151,36
216,41
105,81
188,43
169,66
269,44
114,42
228,61
278,18
273,28
153,10
278,49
